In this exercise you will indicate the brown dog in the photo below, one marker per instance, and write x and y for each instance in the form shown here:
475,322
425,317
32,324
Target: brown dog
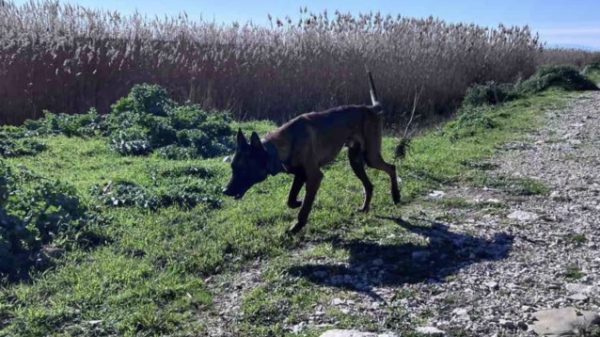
305,144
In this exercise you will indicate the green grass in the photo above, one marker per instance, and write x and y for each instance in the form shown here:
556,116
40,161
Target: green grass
592,71
147,278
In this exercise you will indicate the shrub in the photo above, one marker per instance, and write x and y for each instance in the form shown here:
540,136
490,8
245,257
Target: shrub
144,121
470,122
131,141
124,194
490,93
176,132
592,71
184,191
174,152
83,125
36,213
14,142
565,77
150,99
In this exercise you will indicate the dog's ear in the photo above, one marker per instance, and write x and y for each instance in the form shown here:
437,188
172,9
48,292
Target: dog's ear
255,141
242,143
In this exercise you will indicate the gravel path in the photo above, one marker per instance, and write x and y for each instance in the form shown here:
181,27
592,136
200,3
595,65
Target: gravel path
553,260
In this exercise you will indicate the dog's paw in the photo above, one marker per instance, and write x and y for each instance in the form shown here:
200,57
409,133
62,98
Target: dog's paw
363,210
295,229
294,204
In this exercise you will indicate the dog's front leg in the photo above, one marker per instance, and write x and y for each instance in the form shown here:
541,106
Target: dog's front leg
313,182
299,180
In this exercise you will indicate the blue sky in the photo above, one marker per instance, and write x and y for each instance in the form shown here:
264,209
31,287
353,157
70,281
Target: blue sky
574,22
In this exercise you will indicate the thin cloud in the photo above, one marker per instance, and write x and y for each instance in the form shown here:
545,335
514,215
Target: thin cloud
570,31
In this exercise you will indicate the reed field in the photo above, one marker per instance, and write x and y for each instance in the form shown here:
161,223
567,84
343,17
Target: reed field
67,59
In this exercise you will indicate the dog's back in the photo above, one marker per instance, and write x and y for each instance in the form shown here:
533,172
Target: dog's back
321,135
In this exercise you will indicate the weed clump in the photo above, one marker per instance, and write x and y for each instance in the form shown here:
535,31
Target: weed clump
14,142
81,125
38,216
179,189
147,120
143,122
491,93
471,121
564,77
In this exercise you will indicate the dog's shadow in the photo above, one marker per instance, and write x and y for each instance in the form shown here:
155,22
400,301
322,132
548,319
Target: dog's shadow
374,265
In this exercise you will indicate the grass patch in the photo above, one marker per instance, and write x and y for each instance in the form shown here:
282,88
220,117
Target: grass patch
573,272
592,71
577,239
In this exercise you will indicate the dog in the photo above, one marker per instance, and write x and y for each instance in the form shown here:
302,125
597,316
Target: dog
303,145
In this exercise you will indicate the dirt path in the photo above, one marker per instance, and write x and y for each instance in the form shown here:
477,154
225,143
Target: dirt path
493,255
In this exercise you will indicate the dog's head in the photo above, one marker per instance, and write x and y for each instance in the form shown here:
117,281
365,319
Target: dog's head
249,165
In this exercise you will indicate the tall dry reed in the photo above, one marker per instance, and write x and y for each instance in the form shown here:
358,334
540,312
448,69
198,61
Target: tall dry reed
68,58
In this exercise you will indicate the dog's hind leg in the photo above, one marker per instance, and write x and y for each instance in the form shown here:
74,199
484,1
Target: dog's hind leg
375,161
299,180
313,182
357,162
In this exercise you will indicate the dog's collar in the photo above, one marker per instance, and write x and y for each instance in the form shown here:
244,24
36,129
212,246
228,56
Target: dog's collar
274,165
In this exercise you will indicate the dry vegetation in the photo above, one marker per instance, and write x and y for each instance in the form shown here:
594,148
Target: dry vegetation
68,58
577,57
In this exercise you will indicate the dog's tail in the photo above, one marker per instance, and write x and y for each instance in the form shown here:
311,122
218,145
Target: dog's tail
374,101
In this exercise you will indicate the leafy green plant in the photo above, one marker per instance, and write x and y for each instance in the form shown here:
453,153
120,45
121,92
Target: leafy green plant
146,120
490,93
471,121
561,76
36,212
80,125
184,191
14,142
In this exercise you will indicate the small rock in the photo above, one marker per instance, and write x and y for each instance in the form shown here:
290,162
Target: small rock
579,288
563,322
494,201
579,297
523,216
298,327
353,333
462,314
492,285
437,194
431,331
337,301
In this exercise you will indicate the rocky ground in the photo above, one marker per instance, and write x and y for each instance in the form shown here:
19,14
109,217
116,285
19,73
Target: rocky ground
493,256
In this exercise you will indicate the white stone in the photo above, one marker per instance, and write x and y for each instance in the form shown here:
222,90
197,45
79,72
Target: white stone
437,194
430,331
563,322
523,216
354,333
